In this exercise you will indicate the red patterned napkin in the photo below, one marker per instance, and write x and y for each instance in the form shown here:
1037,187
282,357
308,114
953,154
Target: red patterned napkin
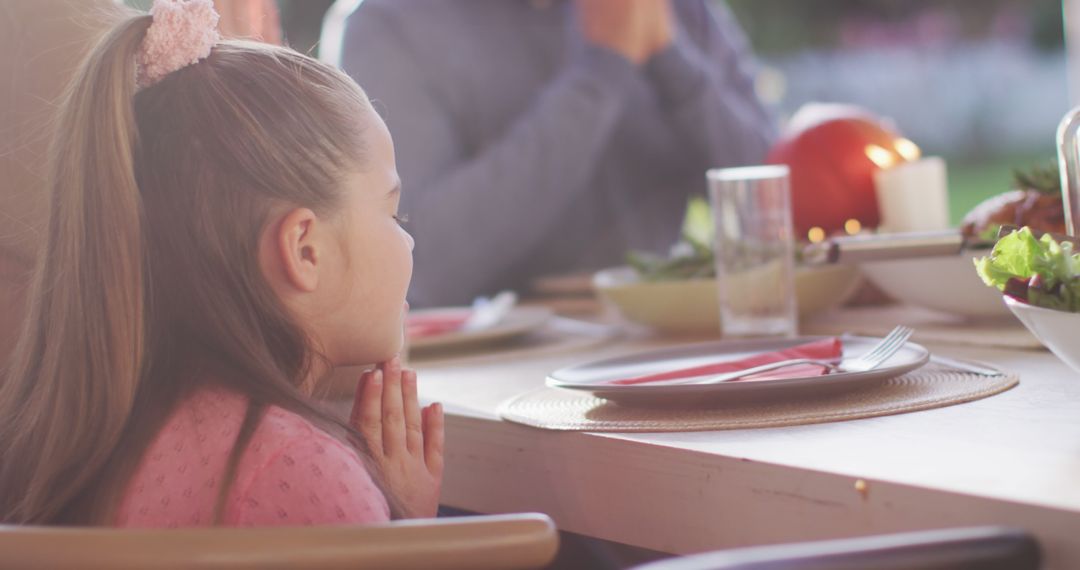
825,349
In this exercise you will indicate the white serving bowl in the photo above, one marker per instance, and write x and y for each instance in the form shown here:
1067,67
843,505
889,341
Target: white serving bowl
1057,330
690,306
948,284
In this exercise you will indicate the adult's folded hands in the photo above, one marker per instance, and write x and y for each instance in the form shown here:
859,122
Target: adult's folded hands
636,29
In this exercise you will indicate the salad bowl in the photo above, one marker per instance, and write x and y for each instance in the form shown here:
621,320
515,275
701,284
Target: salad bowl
1057,330
1040,280
690,306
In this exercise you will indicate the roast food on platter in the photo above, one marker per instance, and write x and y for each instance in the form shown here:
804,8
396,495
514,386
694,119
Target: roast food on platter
1035,202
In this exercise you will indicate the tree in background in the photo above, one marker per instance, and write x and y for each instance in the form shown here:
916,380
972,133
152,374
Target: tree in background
777,27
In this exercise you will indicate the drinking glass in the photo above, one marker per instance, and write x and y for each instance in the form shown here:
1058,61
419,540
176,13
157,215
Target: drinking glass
755,250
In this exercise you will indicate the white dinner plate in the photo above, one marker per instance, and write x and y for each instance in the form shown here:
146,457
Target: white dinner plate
518,322
594,377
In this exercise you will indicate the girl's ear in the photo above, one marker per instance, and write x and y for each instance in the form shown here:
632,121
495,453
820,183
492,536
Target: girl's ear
297,250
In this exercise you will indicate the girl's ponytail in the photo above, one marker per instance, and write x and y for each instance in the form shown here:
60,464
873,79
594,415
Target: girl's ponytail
68,391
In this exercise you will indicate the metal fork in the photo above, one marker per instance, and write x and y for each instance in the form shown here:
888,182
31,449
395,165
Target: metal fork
876,356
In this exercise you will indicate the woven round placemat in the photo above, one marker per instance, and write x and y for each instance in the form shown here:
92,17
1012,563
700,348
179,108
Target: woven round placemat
929,387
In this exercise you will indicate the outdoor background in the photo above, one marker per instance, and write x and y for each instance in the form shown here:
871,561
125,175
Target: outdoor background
980,82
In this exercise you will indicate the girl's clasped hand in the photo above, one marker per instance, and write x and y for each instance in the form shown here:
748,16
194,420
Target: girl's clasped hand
405,440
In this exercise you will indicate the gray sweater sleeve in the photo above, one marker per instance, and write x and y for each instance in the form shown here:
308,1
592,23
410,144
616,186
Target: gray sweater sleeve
475,215
705,83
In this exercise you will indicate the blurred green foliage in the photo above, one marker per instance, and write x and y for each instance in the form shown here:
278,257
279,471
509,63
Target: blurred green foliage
774,26
777,27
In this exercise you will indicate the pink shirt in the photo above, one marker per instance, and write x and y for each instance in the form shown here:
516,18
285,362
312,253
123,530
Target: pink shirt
291,474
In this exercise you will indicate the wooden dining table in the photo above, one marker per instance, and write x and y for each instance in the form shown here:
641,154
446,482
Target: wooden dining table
1010,459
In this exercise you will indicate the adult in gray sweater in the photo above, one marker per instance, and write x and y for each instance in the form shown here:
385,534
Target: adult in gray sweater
548,136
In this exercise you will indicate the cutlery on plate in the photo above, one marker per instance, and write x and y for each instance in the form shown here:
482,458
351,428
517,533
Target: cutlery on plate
487,313
876,356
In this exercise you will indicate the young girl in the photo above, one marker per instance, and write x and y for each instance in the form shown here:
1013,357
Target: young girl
223,232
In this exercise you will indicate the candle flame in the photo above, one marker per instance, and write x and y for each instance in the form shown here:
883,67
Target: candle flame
908,149
816,235
880,156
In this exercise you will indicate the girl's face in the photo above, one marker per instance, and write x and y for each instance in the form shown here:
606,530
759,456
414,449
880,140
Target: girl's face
365,310
344,274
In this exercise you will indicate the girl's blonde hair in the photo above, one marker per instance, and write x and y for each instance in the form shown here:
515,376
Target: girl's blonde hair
149,285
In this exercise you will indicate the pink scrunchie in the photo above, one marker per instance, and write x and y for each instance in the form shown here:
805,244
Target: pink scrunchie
182,33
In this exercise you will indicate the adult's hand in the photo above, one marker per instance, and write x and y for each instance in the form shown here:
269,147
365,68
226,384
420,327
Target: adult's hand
636,29
249,19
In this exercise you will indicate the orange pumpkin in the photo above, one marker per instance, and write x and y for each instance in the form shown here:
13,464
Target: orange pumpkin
833,152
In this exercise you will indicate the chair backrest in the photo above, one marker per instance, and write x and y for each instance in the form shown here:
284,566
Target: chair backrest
484,542
979,548
332,34
42,43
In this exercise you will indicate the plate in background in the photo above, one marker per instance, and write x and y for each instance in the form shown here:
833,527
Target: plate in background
518,322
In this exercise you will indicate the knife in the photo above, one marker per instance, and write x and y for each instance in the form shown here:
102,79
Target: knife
884,247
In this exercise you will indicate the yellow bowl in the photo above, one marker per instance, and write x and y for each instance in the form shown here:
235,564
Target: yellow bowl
690,306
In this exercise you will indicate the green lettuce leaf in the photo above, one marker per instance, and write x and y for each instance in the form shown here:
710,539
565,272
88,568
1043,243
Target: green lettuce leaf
1020,255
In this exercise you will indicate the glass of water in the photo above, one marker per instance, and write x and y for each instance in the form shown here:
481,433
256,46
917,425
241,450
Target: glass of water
755,250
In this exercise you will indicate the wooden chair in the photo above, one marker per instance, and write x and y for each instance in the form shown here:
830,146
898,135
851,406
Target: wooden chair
480,543
42,43
979,548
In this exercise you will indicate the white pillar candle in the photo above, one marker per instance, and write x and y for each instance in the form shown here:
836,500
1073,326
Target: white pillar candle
913,196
